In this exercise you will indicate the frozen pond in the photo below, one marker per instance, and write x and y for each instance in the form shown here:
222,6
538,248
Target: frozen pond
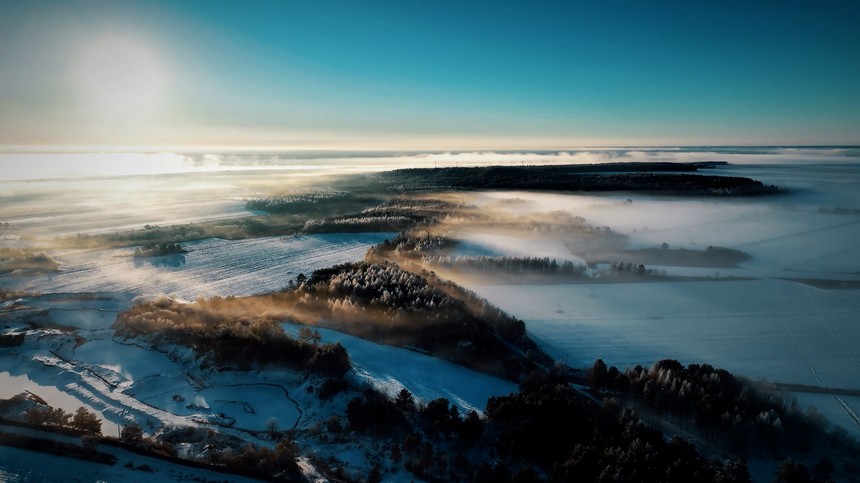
251,405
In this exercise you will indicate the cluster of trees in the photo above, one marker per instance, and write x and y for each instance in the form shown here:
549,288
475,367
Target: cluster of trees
358,223
651,177
7,294
158,249
375,412
421,437
376,301
394,215
619,268
294,203
550,425
81,420
12,340
511,265
419,209
269,463
229,340
86,452
228,229
406,244
382,302
546,430
18,260
726,411
383,286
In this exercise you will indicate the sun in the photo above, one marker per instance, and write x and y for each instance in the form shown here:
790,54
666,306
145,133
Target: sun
119,78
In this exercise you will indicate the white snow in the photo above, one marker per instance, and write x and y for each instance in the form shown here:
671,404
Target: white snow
22,465
11,385
391,369
251,405
212,266
773,329
131,362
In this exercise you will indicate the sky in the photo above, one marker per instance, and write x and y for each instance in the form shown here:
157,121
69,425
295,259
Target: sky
436,74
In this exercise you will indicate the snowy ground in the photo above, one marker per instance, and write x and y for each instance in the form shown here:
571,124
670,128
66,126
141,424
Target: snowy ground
391,369
124,382
759,328
50,208
762,329
212,266
766,327
17,465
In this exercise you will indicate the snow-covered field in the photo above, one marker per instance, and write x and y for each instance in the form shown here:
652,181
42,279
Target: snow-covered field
766,327
51,208
391,369
776,330
212,266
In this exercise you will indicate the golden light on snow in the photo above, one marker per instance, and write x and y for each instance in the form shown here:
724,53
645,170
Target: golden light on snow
119,78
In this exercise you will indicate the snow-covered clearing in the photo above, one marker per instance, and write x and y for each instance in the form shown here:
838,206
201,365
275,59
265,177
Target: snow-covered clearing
763,329
212,266
391,369
131,363
778,330
252,405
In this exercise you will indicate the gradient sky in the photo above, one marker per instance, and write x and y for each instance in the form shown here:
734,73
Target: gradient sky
428,74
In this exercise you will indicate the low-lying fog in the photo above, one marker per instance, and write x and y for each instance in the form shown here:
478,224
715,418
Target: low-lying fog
790,315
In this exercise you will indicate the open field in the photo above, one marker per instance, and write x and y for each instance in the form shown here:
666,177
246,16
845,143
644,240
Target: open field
772,330
391,369
212,266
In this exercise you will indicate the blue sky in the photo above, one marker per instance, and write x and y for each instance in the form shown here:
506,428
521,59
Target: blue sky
428,74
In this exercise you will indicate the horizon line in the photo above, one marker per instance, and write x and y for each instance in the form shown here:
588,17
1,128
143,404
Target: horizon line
35,149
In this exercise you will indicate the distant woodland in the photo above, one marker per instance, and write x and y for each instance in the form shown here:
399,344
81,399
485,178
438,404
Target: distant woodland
665,178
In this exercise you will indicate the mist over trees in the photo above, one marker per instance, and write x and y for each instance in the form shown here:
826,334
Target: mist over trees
228,340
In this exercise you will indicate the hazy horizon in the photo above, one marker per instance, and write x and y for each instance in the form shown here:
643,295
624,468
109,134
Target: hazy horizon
37,165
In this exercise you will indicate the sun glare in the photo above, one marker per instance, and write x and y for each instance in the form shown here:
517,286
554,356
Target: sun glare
120,78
